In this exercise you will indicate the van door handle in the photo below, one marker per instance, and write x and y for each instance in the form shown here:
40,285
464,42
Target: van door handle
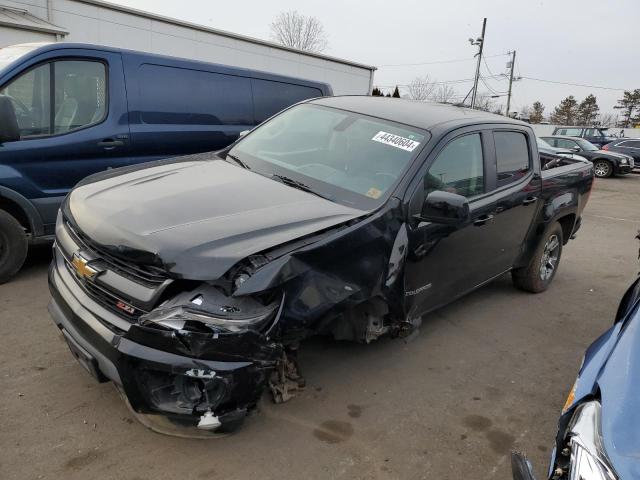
529,200
482,220
110,143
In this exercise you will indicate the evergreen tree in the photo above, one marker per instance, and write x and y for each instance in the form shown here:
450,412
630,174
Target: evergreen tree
376,92
536,113
396,93
565,113
588,111
629,103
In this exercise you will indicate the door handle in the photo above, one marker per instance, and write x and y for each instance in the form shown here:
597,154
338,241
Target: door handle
529,200
482,220
110,143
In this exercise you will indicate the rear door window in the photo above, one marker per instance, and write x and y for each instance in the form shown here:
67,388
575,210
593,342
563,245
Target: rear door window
512,156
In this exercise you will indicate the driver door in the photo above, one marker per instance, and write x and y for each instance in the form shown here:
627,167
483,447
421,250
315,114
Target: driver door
446,261
73,121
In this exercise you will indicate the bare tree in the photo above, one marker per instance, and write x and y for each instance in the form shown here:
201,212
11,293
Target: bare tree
295,30
484,102
608,119
421,88
443,94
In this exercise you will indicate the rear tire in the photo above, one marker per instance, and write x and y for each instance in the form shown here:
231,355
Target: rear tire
537,276
603,168
13,246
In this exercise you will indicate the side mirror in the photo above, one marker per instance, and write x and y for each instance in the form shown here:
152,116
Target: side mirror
575,149
446,208
243,133
9,129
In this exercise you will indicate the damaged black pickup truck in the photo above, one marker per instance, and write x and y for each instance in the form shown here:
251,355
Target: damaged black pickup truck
191,282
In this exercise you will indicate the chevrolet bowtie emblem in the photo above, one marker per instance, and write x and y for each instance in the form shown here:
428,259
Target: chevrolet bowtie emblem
83,270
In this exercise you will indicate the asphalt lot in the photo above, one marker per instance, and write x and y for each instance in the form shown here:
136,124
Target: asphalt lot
485,375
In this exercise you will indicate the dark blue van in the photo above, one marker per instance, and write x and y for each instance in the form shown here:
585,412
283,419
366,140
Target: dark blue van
70,110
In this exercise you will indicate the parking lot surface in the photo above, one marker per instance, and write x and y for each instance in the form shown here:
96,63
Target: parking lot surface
487,374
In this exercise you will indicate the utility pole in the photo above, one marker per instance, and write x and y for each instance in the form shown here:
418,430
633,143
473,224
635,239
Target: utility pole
480,43
513,66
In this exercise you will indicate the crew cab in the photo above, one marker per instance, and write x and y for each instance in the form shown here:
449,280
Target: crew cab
190,282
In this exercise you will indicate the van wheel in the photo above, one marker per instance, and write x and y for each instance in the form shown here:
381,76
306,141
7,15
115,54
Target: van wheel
603,168
13,246
537,276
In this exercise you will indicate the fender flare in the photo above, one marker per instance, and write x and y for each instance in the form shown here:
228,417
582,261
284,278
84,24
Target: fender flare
35,221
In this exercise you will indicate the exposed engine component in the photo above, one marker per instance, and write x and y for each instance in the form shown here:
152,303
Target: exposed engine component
286,379
363,323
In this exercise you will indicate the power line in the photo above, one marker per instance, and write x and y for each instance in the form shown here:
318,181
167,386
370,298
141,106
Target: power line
574,84
436,62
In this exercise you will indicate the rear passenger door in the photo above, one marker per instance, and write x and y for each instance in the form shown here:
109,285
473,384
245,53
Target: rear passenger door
517,191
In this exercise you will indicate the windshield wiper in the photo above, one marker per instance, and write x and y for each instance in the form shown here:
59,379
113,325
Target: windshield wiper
299,185
238,161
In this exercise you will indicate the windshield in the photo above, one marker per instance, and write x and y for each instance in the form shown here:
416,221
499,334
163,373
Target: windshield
343,156
10,54
587,145
542,143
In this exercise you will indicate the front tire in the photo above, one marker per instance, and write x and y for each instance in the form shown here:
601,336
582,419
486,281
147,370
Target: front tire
537,276
603,168
13,246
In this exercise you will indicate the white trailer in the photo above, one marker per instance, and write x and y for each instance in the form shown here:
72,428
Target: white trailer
102,23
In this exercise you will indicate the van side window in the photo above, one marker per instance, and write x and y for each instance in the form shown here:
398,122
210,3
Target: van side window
171,95
459,168
270,97
78,99
512,156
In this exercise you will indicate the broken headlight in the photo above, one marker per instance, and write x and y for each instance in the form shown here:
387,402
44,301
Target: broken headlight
208,308
588,457
181,318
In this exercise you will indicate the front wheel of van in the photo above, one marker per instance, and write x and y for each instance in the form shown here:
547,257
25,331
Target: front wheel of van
537,276
13,246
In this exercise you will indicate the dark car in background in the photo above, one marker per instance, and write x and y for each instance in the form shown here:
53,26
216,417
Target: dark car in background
69,110
626,146
344,216
605,163
595,135
599,430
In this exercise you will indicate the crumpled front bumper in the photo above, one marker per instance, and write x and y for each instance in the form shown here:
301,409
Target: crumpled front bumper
168,381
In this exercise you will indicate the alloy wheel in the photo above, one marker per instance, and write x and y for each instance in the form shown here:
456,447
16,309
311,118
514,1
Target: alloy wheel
549,257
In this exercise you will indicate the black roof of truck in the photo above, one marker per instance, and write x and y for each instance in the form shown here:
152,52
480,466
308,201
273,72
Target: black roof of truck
424,115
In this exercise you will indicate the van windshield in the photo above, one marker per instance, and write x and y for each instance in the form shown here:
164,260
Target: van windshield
11,54
344,156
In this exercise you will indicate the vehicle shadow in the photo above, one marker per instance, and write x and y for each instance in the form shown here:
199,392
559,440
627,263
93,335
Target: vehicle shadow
37,262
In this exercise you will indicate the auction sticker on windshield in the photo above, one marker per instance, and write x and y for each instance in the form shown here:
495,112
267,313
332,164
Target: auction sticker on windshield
395,141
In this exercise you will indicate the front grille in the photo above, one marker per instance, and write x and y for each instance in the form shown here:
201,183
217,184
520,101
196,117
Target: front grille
143,274
103,297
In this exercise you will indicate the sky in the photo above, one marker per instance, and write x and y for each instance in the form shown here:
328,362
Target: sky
587,42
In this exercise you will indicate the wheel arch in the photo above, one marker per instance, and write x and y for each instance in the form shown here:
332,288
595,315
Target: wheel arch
567,222
22,210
